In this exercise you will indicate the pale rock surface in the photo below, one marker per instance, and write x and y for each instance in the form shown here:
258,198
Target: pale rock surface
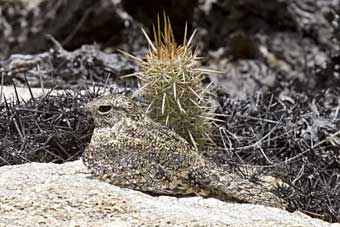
23,92
39,194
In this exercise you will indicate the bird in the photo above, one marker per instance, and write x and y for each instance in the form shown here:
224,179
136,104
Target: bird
128,149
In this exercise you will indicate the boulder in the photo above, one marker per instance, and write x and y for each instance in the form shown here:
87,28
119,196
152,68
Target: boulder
41,194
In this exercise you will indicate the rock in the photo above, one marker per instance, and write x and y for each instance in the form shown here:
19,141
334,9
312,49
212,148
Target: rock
73,23
64,69
24,93
67,195
280,39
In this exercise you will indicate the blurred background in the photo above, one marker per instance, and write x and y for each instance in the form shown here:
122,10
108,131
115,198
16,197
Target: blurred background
265,44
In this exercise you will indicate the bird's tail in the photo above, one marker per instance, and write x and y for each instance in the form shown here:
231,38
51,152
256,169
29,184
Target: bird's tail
212,181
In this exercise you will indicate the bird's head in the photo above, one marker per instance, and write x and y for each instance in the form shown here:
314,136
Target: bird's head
109,110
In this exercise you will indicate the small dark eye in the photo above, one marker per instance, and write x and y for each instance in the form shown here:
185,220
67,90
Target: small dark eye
104,108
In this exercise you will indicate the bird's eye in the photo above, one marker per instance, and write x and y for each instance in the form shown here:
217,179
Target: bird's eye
104,109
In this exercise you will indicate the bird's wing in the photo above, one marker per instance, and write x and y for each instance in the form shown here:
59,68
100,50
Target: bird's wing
164,145
160,155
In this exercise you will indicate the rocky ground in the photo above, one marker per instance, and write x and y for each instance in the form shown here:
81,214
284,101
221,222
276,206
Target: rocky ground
38,194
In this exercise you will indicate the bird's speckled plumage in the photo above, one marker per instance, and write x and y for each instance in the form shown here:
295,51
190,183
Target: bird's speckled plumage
130,150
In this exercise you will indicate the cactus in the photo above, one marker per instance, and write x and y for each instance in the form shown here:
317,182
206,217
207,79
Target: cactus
171,82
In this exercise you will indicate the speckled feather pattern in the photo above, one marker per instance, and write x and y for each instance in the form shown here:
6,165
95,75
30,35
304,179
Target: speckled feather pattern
130,150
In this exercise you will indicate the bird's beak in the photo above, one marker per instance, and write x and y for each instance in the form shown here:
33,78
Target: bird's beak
88,108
